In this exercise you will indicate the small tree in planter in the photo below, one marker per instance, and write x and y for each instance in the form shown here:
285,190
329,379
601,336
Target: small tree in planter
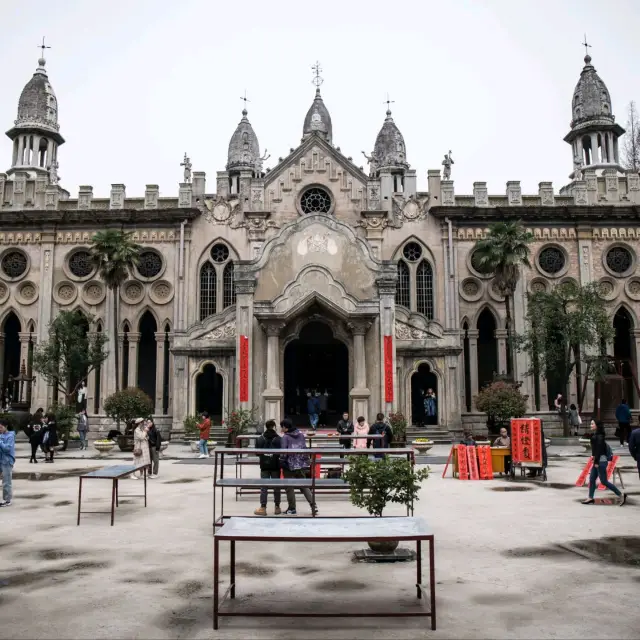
501,401
399,427
127,405
237,422
191,429
375,483
66,420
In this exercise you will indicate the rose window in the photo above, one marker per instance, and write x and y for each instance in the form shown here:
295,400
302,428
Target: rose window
551,260
477,266
14,264
80,264
619,260
219,253
412,251
149,264
315,200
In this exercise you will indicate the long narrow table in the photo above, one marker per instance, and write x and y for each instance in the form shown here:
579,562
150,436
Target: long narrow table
322,530
114,473
312,483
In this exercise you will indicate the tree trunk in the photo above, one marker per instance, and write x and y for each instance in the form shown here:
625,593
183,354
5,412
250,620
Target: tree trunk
115,337
566,429
509,354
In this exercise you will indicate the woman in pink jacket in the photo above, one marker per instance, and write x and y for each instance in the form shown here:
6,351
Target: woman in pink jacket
361,428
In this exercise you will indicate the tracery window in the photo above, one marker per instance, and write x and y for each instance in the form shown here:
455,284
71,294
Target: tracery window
414,287
424,289
217,287
208,290
403,286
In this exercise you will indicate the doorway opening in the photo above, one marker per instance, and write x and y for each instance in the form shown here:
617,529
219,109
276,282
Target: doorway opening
487,348
209,385
316,362
11,365
623,349
424,396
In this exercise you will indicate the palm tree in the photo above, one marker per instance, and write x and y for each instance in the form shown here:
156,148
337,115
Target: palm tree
501,253
115,255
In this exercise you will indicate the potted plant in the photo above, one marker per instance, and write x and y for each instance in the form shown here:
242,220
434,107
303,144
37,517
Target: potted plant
191,432
422,445
125,406
398,424
237,423
501,401
104,446
375,483
66,420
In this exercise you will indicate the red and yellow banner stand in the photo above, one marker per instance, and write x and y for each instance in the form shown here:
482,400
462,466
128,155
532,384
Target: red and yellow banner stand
583,478
474,463
463,466
485,463
472,460
526,441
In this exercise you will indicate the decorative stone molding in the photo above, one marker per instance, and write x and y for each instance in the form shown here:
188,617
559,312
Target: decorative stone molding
580,193
219,210
632,288
161,292
591,180
66,265
94,292
554,233
545,191
14,261
51,196
117,196
4,292
471,289
85,196
632,255
65,292
184,195
359,327
610,180
273,328
405,331
132,292
494,291
223,332
387,285
413,210
633,181
480,194
20,238
27,292
563,253
151,195
608,288
447,193
373,220
514,193
616,232
538,285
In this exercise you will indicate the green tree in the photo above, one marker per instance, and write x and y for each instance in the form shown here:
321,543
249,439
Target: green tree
115,255
501,401
128,404
70,354
562,327
501,253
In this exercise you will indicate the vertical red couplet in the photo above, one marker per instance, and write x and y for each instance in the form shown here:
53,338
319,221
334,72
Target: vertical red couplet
388,368
244,369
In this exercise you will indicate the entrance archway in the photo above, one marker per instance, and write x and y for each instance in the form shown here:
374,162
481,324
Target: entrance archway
487,348
421,381
623,349
11,365
316,362
209,384
147,356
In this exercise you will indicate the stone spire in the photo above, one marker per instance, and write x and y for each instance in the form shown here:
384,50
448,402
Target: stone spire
244,150
35,133
389,150
318,120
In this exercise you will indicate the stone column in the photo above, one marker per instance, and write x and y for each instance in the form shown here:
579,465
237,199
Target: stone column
473,364
501,337
160,336
25,337
20,151
360,393
171,365
134,339
594,149
121,337
387,291
92,382
273,395
245,284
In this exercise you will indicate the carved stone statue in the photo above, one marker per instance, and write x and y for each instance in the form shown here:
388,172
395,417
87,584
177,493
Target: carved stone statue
577,168
259,163
446,163
373,163
53,172
186,163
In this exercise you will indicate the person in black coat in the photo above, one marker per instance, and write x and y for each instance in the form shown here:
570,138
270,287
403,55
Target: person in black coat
345,428
380,427
155,440
34,433
50,437
269,466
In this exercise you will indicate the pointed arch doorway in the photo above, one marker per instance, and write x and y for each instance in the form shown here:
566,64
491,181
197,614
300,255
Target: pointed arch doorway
423,380
209,387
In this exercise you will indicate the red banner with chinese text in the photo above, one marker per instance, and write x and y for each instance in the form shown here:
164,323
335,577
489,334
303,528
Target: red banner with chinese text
388,368
484,463
526,440
244,369
584,474
472,459
463,468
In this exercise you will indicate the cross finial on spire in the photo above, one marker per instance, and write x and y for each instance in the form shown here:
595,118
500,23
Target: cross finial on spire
245,99
586,45
388,103
43,46
317,80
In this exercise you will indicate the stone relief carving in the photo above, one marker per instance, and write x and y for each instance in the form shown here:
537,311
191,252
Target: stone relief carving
413,210
405,331
317,243
223,332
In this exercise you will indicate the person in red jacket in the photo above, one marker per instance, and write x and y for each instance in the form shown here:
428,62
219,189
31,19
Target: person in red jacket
205,432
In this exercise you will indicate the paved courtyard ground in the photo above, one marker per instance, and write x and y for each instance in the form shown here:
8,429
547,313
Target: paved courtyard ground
509,564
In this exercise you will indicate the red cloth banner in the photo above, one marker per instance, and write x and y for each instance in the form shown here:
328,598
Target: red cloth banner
526,440
610,469
473,463
244,369
463,469
584,474
484,462
388,368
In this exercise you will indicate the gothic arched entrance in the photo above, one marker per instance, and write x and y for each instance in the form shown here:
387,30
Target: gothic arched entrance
623,349
147,356
11,360
421,381
209,385
316,362
487,348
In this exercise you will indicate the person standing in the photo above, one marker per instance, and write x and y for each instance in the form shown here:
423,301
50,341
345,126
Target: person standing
574,419
205,432
7,460
34,433
313,408
634,446
83,428
295,465
141,454
430,407
503,441
155,440
623,416
601,454
50,438
380,427
345,428
361,428
269,466
323,406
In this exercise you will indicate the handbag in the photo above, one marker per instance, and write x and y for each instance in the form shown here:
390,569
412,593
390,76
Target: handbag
137,451
608,453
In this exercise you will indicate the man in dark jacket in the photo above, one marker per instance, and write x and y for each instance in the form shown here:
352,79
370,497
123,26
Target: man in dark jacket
155,440
345,428
380,427
623,416
269,466
634,446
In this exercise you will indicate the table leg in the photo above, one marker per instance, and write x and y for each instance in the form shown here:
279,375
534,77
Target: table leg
432,581
222,488
419,568
232,571
117,502
144,472
216,573
215,482
113,501
79,500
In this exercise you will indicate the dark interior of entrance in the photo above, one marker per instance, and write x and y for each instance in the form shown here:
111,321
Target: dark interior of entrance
209,393
316,362
424,413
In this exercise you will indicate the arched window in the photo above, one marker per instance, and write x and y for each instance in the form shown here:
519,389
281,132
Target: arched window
403,291
217,287
424,289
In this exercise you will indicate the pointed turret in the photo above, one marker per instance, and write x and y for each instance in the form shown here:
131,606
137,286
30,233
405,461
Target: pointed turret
244,150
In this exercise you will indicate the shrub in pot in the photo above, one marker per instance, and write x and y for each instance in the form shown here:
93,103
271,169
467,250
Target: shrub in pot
125,406
376,483
191,429
501,401
398,424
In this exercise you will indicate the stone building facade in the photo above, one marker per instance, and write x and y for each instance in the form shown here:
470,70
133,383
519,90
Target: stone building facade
311,275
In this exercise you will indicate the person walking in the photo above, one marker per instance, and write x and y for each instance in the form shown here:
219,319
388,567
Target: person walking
380,427
361,428
295,465
574,419
155,440
323,407
345,428
141,454
634,446
34,433
313,409
205,432
50,438
83,428
269,467
623,416
7,460
602,455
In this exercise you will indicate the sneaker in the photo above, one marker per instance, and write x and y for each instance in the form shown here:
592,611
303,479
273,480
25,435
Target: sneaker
260,511
277,511
290,512
135,478
5,504
202,455
589,501
623,499
151,476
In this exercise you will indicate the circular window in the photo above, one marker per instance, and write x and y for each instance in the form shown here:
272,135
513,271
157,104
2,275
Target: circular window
551,260
619,260
315,200
149,264
477,266
219,253
14,264
80,264
412,251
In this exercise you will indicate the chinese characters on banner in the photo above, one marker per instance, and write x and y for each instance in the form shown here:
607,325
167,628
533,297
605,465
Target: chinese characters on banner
472,459
244,369
526,440
388,368
485,463
463,467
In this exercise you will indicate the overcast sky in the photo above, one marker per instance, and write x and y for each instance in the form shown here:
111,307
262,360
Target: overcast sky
139,82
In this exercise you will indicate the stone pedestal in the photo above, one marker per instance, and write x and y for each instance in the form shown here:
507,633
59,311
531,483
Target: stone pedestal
273,395
359,394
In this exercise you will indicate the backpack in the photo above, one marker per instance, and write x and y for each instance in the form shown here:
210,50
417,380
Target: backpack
269,459
608,452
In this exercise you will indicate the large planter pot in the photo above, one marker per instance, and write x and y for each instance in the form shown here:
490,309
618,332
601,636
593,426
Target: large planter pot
383,546
194,446
422,447
125,443
104,447
73,444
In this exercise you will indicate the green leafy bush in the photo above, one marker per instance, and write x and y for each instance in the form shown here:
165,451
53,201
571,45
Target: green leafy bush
191,429
501,401
128,404
399,426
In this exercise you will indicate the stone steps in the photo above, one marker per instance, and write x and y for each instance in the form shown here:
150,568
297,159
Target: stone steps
437,434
